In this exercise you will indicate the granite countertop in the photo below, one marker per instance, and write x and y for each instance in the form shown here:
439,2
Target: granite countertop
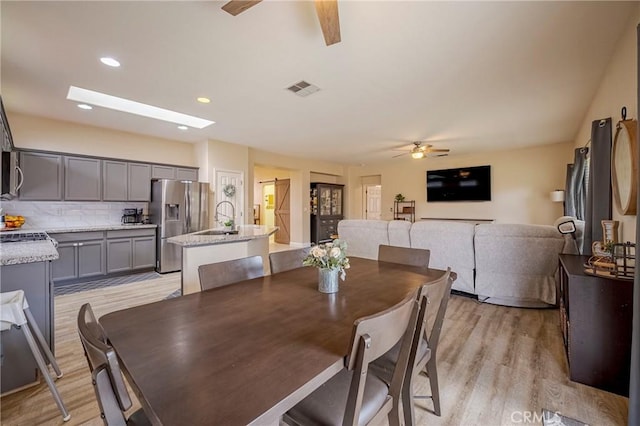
245,233
55,229
27,252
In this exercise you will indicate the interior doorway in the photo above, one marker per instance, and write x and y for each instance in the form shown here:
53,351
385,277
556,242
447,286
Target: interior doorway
372,204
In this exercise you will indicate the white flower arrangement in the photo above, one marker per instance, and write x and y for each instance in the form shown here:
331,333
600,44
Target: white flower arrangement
329,256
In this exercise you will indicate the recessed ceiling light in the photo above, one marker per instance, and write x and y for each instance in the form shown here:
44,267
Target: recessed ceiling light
203,100
84,106
183,127
125,105
110,61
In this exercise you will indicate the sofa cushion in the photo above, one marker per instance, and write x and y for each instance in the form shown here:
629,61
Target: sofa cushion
451,245
399,233
363,236
517,264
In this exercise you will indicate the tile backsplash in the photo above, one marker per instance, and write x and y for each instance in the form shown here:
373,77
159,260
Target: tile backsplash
56,213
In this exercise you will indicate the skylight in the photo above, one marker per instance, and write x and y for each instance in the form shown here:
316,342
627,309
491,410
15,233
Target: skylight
132,107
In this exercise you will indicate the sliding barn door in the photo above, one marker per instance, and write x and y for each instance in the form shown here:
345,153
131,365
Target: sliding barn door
282,211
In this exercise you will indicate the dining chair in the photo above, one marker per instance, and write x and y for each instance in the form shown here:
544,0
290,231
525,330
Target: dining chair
214,275
404,255
281,261
108,382
354,396
433,298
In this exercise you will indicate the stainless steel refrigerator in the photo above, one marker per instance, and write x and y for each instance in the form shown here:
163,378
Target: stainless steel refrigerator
177,208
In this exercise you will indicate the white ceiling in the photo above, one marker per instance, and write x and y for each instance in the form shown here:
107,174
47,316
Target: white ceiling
464,76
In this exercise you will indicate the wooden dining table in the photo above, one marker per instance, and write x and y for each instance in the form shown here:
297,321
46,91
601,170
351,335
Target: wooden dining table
248,352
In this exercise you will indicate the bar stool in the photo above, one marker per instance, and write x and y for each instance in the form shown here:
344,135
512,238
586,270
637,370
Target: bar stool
15,312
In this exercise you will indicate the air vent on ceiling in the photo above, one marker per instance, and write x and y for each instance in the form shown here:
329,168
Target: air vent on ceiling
302,88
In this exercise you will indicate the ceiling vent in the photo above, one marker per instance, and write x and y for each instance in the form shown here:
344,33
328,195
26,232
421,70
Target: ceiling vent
302,88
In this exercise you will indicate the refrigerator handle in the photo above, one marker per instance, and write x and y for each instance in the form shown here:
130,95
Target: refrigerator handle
187,204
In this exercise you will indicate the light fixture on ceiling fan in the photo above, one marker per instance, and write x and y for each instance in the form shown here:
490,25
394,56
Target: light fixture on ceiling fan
327,11
419,151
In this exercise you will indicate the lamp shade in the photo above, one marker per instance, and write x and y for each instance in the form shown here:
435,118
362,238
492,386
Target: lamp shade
557,196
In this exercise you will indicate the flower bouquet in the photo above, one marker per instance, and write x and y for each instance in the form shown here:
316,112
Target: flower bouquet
332,255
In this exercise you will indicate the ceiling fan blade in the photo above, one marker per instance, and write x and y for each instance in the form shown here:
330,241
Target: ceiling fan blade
327,11
439,150
400,155
235,7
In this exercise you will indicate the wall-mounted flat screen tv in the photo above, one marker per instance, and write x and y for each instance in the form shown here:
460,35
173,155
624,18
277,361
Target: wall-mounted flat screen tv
463,184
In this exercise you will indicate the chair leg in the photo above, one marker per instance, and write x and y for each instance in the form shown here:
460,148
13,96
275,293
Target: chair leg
407,400
432,372
43,344
43,369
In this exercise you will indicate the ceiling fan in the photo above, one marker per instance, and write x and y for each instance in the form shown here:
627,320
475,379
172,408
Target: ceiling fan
327,11
421,151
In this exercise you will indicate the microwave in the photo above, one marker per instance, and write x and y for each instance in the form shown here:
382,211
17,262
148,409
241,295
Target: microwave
11,176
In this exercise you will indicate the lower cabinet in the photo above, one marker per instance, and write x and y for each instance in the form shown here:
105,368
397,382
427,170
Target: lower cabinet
82,255
91,255
17,365
130,250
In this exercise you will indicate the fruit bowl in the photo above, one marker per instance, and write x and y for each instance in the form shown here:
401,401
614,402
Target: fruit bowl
13,222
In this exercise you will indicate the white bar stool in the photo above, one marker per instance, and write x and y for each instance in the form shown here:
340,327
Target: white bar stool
15,312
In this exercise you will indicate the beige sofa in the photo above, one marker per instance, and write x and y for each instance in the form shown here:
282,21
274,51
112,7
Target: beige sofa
505,264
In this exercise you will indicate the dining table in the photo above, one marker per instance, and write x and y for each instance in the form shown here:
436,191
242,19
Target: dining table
247,352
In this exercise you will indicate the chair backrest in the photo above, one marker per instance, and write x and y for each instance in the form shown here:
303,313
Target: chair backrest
433,299
404,255
373,336
219,274
286,260
102,355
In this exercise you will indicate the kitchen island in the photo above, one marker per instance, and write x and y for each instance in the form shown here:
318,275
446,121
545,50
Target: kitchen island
218,245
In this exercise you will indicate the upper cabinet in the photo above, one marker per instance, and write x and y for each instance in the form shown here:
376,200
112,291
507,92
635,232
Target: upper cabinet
57,177
186,174
114,180
139,182
43,176
163,172
82,179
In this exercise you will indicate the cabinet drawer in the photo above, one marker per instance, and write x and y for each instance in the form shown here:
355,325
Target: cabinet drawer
130,233
77,236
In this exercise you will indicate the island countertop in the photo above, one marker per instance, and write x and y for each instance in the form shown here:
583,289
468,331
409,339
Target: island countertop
204,238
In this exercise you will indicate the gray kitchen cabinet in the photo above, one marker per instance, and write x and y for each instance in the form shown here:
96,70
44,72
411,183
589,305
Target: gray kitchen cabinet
119,255
17,366
144,252
139,185
131,249
82,255
43,176
114,180
183,173
163,172
82,179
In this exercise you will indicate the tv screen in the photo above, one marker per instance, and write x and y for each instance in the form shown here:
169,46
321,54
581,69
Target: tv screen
463,184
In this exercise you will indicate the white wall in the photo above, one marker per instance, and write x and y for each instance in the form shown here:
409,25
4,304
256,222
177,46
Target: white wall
52,135
618,88
521,182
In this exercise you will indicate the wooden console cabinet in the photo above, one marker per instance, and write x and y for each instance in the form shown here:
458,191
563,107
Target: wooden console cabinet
595,316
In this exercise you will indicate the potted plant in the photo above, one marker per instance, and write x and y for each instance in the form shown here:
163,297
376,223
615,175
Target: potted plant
399,197
228,225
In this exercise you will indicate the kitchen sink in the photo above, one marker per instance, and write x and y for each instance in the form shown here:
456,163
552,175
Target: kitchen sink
219,232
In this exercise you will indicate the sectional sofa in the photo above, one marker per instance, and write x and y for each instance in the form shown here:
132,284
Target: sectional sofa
504,264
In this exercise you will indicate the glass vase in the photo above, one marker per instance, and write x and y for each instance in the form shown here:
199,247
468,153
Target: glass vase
328,280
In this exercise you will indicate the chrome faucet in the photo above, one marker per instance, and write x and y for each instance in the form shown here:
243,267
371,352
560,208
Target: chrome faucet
233,212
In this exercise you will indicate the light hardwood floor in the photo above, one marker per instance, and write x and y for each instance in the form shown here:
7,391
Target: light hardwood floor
496,366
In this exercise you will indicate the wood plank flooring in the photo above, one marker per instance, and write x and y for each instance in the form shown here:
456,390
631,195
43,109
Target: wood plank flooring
496,366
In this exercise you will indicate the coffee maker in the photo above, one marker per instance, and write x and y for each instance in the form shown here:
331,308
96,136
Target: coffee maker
132,216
